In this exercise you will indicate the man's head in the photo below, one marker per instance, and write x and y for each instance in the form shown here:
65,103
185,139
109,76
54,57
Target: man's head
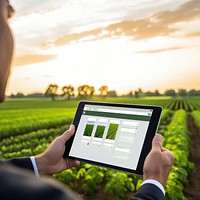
6,46
11,11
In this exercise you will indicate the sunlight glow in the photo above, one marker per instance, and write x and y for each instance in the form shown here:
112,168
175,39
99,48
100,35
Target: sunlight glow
81,42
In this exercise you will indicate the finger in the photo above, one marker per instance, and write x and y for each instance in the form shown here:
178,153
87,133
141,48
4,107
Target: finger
67,134
167,151
157,142
169,157
77,163
72,163
164,149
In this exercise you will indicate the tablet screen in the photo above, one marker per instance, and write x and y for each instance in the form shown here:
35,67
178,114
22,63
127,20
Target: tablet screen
111,135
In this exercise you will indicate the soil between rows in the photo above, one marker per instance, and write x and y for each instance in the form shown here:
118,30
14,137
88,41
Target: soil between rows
192,189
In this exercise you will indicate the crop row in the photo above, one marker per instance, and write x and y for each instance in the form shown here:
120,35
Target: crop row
176,139
196,117
17,122
183,103
29,144
165,118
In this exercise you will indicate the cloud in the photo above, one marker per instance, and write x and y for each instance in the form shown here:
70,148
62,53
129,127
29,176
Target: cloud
187,12
159,24
31,59
195,34
74,37
160,50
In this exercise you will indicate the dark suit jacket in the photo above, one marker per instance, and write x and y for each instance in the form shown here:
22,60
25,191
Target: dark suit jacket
148,192
21,184
18,184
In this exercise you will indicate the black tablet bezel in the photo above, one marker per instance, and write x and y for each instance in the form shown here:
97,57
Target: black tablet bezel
151,131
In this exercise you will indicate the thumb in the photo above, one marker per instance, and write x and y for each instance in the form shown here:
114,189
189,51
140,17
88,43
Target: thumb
157,142
67,134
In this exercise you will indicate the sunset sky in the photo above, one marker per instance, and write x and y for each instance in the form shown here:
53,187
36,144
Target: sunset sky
125,44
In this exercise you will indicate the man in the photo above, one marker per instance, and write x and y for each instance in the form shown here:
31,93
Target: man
17,179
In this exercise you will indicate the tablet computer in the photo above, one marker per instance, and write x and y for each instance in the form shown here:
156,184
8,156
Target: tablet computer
113,135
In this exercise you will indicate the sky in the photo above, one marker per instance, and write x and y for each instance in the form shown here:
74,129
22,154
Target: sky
124,44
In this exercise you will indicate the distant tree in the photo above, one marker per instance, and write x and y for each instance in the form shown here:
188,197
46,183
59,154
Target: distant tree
103,90
85,91
182,92
68,91
130,94
170,92
197,93
82,91
193,92
91,91
18,95
112,93
157,93
139,93
136,94
35,95
149,94
51,91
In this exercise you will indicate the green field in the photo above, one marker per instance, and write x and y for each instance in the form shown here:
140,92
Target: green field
112,130
99,131
88,130
27,126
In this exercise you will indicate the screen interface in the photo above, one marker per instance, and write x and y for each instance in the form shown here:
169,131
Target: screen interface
111,135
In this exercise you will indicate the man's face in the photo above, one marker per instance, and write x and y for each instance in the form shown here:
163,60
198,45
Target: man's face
6,9
6,45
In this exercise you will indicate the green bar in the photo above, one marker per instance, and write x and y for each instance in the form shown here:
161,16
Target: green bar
117,115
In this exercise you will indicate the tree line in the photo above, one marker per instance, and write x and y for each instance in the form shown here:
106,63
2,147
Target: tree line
170,92
83,91
86,91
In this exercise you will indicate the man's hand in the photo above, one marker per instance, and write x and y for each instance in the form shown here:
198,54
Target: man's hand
158,163
51,161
